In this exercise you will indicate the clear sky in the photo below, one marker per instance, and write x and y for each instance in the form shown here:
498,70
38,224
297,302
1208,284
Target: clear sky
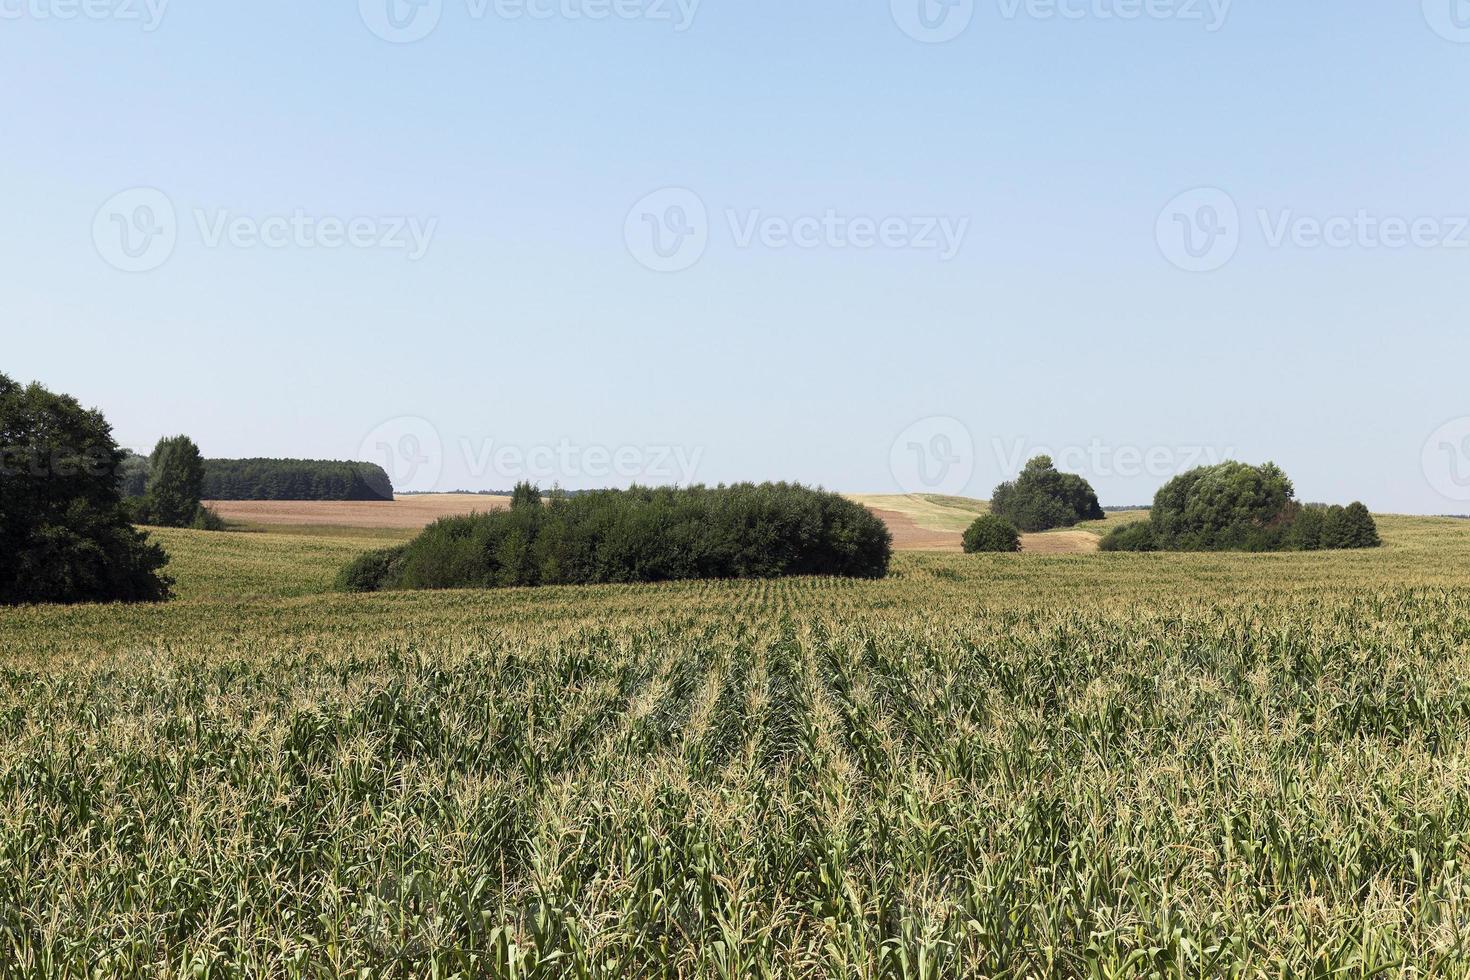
865,244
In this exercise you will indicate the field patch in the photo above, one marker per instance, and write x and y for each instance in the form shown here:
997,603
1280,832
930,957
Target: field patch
404,512
1245,758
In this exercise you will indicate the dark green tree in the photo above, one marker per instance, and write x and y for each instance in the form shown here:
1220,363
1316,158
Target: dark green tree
175,482
525,495
1229,507
1042,498
64,536
1362,529
991,534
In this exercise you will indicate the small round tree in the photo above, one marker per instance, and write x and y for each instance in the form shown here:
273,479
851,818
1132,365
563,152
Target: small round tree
992,534
1043,497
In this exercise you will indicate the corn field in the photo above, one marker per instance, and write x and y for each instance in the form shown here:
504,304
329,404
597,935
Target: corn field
985,766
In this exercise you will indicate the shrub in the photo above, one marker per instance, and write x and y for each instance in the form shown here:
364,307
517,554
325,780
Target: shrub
638,535
1131,537
294,479
991,534
1042,498
66,536
175,482
369,572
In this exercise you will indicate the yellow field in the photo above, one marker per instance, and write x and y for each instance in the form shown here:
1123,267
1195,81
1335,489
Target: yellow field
1008,766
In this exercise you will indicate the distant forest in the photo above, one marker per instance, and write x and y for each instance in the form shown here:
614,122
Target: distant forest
294,479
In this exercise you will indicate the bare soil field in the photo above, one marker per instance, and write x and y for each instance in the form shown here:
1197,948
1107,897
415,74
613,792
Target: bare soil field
411,512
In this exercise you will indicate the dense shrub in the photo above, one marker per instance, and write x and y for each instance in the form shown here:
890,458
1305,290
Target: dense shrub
64,536
1131,537
1042,498
1238,507
1229,507
638,535
991,534
369,571
294,479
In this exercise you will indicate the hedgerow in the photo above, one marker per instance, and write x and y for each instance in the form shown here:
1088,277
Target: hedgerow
638,535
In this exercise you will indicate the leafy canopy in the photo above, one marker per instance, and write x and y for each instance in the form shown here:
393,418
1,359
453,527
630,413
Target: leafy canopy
1042,498
64,534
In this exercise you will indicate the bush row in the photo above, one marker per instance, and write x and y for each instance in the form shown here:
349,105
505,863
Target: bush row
638,535
1238,507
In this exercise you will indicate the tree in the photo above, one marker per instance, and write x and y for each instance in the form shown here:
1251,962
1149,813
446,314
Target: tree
1229,507
64,536
1350,527
525,495
175,482
991,534
1042,498
1362,529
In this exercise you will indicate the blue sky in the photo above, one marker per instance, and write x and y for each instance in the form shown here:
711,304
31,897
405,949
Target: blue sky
499,311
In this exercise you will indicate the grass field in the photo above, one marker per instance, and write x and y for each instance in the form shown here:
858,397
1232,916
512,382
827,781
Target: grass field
1003,766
